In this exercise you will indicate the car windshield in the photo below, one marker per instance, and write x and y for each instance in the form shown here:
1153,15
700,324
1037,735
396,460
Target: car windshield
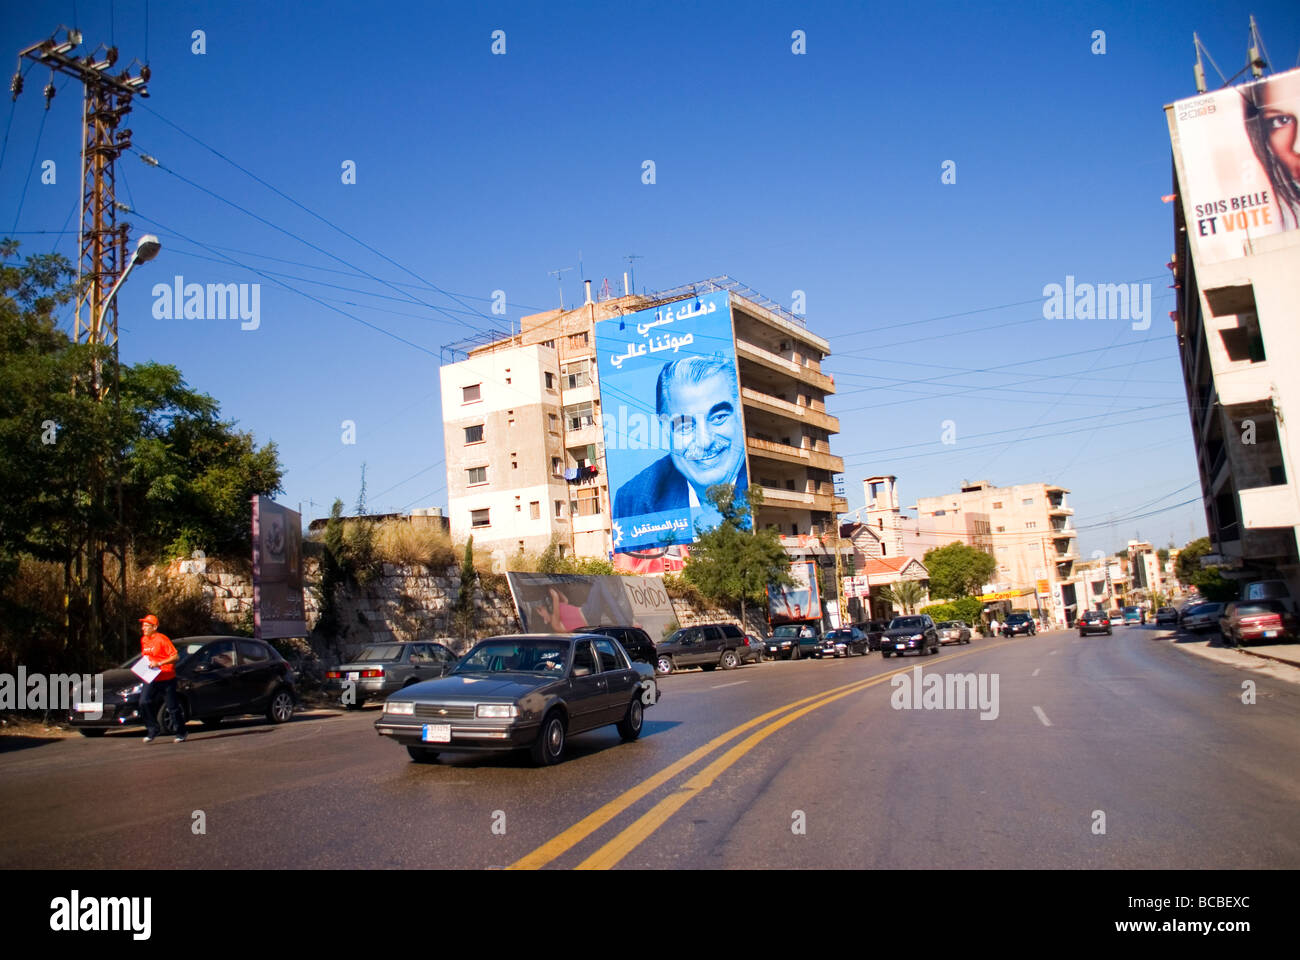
1017,618
380,651
516,656
786,630
907,623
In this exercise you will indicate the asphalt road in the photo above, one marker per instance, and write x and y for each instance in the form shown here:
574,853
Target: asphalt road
804,765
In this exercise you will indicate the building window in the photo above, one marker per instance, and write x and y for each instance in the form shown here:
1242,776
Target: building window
557,467
938,513
559,508
470,394
474,434
477,475
1027,502
579,415
997,504
576,375
884,550
1002,529
1031,525
550,380
553,423
587,504
535,510
479,518
579,339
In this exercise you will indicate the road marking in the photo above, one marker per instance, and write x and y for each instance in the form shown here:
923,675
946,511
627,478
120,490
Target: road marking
1042,716
732,684
1035,673
574,835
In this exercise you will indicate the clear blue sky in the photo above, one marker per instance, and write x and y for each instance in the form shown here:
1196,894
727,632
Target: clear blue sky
818,172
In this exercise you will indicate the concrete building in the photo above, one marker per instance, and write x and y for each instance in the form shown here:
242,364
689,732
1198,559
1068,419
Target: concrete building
1026,527
1239,341
524,438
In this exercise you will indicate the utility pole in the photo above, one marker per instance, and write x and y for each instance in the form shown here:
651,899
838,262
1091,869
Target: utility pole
102,259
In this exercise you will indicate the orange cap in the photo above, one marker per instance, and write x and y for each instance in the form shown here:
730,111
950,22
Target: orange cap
149,618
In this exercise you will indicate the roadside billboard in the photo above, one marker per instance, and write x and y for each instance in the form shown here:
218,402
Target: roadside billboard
670,409
1239,164
798,602
278,609
565,603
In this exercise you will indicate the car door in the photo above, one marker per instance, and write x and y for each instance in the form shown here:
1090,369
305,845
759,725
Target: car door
620,681
256,676
210,675
692,641
587,688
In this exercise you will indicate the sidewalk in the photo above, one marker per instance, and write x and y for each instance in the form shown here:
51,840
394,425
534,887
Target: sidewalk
1280,660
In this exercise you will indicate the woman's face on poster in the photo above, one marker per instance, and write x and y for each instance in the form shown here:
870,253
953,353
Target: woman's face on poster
1279,107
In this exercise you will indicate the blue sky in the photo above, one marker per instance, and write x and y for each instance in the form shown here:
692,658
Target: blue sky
818,172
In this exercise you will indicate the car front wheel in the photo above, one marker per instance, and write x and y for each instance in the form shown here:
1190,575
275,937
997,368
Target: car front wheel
665,665
629,728
549,746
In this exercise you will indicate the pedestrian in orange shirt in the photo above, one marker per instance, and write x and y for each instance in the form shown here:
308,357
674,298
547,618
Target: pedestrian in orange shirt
160,653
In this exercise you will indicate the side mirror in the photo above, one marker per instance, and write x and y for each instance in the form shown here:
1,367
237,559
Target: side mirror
201,668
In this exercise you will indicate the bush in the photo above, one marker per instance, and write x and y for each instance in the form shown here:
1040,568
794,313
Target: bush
967,609
396,541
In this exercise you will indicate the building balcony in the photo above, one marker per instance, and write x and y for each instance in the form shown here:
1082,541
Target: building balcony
1263,507
772,361
791,411
787,453
589,432
1060,510
799,500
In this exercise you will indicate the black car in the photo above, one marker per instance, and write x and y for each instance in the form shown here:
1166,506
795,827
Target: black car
875,630
1094,621
217,677
522,692
1019,624
910,633
844,642
705,645
635,641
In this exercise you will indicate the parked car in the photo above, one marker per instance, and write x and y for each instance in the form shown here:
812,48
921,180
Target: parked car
1135,615
1116,616
634,640
217,677
752,651
953,631
844,642
1203,617
522,692
1167,615
875,630
1244,622
1094,621
384,668
1018,624
910,633
707,646
1270,590
790,641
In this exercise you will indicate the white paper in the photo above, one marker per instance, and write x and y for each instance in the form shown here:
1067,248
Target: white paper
144,671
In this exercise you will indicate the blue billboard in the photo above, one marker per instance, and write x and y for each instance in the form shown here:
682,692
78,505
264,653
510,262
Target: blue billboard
670,407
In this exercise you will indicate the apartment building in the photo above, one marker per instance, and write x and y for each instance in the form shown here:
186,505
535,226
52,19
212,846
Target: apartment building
1026,528
1236,269
524,432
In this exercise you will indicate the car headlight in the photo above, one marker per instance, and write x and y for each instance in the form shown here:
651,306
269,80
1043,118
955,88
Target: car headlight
131,691
917,636
400,708
496,711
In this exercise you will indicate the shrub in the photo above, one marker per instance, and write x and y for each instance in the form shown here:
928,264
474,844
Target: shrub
967,609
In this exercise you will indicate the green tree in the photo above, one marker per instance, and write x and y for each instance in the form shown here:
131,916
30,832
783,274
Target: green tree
333,571
1189,560
464,615
958,570
904,595
732,564
1210,581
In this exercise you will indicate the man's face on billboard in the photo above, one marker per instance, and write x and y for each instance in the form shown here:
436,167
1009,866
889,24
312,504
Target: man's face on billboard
704,429
1279,108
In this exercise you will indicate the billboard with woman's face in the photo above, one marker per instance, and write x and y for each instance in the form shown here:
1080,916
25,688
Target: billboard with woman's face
1239,163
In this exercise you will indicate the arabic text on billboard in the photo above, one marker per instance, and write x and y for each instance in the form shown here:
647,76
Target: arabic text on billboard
1240,164
670,402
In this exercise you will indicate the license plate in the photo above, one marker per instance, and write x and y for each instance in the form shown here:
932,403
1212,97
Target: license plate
1270,633
88,708
437,733
771,649
900,646
354,675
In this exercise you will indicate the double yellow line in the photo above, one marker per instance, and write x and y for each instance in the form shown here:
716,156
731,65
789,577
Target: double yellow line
623,844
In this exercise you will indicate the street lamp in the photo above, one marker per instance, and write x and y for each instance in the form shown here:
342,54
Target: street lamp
146,248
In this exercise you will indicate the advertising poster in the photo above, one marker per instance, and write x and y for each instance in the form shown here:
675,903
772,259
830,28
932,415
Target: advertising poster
278,609
798,602
1240,163
670,402
565,603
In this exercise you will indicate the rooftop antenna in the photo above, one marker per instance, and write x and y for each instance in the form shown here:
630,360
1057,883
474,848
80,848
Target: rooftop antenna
559,281
632,267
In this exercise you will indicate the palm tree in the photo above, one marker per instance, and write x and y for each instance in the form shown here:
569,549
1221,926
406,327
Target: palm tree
905,595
